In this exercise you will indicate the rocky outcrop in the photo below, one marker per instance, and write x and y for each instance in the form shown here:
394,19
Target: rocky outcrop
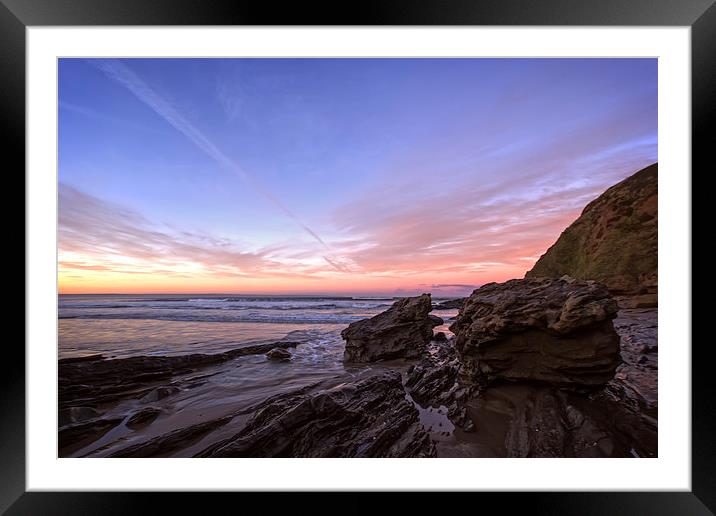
72,415
369,418
440,337
279,355
450,304
404,330
92,381
552,423
143,417
433,383
546,424
557,331
166,444
72,437
614,240
87,385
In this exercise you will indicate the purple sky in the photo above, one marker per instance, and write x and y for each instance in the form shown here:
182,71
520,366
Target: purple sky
335,175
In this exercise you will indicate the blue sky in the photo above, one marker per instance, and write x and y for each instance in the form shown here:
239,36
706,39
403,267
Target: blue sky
336,174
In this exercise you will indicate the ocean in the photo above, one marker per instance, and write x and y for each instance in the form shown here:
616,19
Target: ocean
125,325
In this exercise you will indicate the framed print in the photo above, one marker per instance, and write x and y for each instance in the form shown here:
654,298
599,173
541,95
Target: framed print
418,249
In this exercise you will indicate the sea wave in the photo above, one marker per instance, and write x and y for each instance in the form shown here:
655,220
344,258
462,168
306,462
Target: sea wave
289,310
201,316
227,304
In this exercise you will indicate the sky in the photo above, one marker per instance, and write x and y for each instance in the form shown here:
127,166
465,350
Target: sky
335,176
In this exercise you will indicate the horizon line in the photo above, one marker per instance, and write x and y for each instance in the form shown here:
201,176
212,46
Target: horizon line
308,294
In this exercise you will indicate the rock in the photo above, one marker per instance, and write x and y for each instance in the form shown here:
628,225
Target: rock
166,444
403,330
75,415
614,240
74,437
369,418
159,393
278,354
86,358
434,383
451,304
93,381
538,420
635,386
440,337
639,301
547,424
143,417
557,331
437,321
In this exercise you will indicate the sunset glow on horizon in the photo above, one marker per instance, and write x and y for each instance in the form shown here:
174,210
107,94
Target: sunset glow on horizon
335,176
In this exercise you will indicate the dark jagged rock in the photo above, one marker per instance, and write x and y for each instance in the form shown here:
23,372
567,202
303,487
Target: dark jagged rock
159,393
435,320
433,382
440,337
92,381
86,358
73,415
166,444
557,331
450,304
143,417
614,240
633,392
649,300
369,418
73,437
401,331
547,424
278,354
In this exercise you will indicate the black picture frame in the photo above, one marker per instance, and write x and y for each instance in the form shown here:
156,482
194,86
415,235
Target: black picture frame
700,15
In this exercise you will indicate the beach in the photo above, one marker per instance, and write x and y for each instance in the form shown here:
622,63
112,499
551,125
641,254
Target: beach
119,327
215,398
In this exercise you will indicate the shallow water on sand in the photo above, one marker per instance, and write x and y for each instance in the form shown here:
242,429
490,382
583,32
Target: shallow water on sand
120,338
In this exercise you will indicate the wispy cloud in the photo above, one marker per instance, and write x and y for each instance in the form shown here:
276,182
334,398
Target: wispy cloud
494,228
230,99
122,74
103,117
96,235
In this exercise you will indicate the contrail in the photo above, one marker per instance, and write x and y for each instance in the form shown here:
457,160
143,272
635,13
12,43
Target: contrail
124,75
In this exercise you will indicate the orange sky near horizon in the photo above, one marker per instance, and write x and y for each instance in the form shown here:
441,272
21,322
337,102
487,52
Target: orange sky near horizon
90,282
105,249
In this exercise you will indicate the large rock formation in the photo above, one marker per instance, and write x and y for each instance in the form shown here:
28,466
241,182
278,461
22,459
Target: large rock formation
557,331
614,240
401,331
370,418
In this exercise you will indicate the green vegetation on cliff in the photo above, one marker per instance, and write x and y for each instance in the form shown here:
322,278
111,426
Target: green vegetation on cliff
613,241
